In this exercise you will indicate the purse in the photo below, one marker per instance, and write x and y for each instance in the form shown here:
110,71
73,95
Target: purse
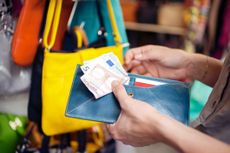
169,97
12,129
98,25
35,104
58,72
29,22
23,53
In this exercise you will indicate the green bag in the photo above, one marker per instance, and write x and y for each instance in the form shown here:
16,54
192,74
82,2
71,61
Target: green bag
12,129
198,97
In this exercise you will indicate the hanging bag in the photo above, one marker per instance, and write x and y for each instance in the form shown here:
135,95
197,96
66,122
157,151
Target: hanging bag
12,129
58,72
35,104
26,36
98,24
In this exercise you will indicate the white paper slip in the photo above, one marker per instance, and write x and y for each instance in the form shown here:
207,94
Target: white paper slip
141,82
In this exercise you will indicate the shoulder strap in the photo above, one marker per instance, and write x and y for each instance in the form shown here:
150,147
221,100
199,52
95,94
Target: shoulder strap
52,21
117,37
53,18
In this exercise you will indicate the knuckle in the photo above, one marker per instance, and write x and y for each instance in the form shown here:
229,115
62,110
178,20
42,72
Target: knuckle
116,89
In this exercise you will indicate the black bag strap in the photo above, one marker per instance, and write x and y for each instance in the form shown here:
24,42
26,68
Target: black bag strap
42,27
34,105
82,141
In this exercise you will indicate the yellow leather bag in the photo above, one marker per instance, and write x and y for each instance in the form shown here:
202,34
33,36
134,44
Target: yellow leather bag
58,72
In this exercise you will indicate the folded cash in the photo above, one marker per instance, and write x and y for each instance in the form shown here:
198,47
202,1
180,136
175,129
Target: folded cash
109,60
100,72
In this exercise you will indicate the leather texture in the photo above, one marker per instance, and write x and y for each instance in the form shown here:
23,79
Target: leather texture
171,99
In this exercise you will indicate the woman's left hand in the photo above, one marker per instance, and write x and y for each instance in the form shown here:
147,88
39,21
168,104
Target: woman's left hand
137,124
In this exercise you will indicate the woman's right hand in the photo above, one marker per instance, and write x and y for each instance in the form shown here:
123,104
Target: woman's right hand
159,61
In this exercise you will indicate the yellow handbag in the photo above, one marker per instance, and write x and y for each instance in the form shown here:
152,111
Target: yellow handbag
58,72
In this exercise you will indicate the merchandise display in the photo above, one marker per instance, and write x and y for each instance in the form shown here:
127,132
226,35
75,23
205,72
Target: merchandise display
195,18
60,58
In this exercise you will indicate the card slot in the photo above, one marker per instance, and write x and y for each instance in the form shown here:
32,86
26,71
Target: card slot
134,76
185,85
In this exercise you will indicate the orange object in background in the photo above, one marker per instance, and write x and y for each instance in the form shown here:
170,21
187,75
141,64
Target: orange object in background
26,36
171,14
129,8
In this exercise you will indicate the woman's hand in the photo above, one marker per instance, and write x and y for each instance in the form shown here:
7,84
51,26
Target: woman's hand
138,121
139,124
159,61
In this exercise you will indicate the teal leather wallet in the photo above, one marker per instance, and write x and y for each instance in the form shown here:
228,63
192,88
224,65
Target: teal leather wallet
169,97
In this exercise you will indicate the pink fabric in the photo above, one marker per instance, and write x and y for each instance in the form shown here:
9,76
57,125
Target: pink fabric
225,32
226,27
17,6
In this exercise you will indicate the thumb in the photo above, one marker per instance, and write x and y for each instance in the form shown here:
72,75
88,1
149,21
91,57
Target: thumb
120,93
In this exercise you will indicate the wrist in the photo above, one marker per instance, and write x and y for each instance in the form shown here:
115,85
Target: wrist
170,132
203,68
198,67
160,126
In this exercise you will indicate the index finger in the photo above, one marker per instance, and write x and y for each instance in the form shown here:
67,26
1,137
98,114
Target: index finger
136,53
130,55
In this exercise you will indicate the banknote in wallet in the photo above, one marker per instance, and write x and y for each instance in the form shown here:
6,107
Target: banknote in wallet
100,72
